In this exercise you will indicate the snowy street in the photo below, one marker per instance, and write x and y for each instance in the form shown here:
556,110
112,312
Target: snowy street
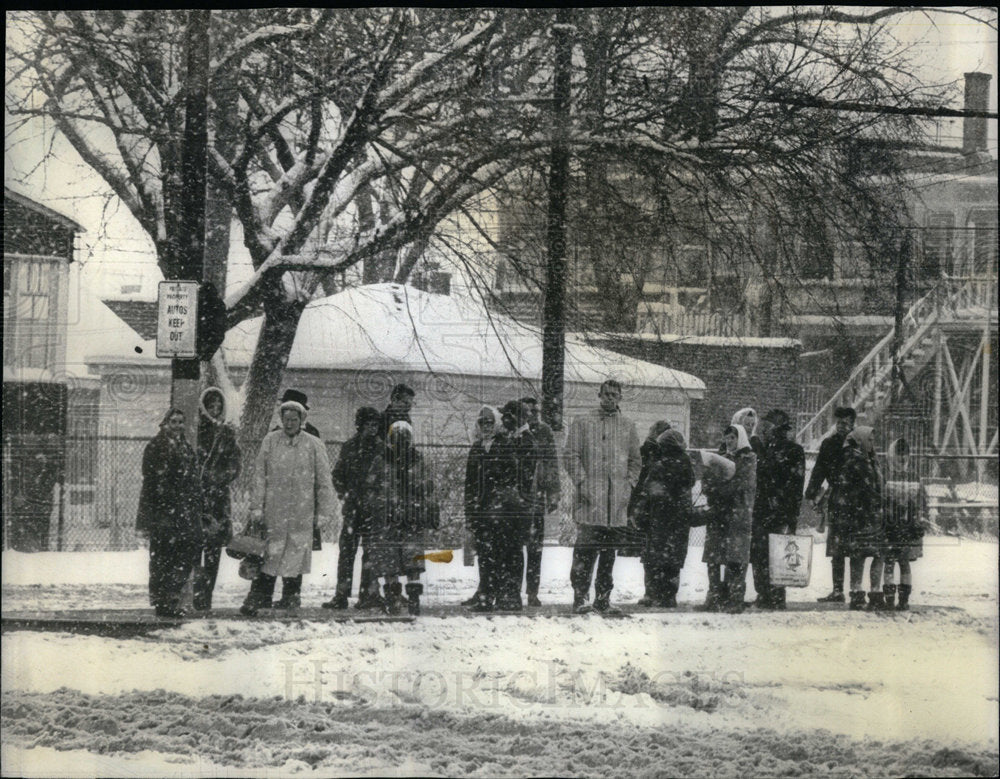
800,692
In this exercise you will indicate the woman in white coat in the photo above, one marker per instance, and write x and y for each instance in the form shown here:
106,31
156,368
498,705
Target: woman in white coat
292,491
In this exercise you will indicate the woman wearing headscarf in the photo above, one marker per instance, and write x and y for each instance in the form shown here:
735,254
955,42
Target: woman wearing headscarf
736,497
481,490
664,512
856,505
170,513
403,507
292,492
748,420
219,465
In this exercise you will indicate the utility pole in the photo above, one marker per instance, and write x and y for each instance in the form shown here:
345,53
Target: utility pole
554,310
190,246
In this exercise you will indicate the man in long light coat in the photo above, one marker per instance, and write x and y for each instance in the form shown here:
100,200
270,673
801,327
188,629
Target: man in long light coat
292,491
602,458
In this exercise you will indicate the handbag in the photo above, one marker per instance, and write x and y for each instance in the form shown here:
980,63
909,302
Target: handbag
249,543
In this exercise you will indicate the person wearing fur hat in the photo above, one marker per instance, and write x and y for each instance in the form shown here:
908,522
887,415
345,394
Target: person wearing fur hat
219,461
856,508
737,498
663,512
781,472
482,483
170,513
296,396
292,493
402,507
356,457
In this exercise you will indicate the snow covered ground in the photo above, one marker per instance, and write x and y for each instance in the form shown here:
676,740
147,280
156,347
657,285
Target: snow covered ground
829,693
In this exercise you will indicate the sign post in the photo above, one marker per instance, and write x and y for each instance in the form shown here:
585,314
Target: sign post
177,320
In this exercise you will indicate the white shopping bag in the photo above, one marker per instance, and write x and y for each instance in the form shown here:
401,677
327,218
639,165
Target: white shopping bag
790,559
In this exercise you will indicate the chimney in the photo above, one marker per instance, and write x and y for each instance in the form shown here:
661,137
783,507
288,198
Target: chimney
977,98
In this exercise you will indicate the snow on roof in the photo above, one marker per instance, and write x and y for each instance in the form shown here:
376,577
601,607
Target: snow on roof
395,327
44,210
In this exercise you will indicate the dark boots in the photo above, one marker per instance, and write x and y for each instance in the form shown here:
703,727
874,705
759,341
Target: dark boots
370,599
889,592
904,597
837,596
876,601
413,592
857,600
393,598
580,605
291,598
339,601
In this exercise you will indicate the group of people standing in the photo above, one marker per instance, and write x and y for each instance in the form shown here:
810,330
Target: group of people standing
868,515
626,498
184,504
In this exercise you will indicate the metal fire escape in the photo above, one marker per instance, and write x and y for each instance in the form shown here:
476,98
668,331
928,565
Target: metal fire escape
957,308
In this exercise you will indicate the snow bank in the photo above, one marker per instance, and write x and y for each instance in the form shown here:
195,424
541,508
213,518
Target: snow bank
681,692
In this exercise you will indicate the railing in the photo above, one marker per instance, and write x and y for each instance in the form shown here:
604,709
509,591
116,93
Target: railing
950,295
656,321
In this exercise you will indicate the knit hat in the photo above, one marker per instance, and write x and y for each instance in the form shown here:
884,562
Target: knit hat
671,439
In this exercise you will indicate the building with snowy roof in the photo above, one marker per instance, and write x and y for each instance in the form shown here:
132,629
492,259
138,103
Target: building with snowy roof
351,347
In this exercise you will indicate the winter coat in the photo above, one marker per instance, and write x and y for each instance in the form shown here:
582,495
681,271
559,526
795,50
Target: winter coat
728,531
399,497
349,474
904,503
170,498
649,452
663,508
856,499
219,460
828,460
602,458
780,476
738,495
546,484
293,489
491,481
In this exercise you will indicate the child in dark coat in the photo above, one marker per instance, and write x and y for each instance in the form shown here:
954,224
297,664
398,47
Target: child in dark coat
664,514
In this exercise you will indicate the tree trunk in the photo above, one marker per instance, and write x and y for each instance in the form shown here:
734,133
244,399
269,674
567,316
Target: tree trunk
274,345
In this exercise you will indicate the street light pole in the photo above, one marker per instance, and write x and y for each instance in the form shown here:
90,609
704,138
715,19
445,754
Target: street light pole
190,246
554,309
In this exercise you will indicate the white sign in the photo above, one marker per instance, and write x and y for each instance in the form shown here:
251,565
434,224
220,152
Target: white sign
789,560
177,319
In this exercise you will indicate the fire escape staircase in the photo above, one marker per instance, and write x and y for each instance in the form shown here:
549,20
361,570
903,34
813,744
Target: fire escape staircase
869,388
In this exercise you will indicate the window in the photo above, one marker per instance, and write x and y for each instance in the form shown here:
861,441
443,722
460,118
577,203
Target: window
35,315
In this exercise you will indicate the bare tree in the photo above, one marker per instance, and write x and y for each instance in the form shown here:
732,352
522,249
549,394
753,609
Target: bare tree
338,139
711,127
